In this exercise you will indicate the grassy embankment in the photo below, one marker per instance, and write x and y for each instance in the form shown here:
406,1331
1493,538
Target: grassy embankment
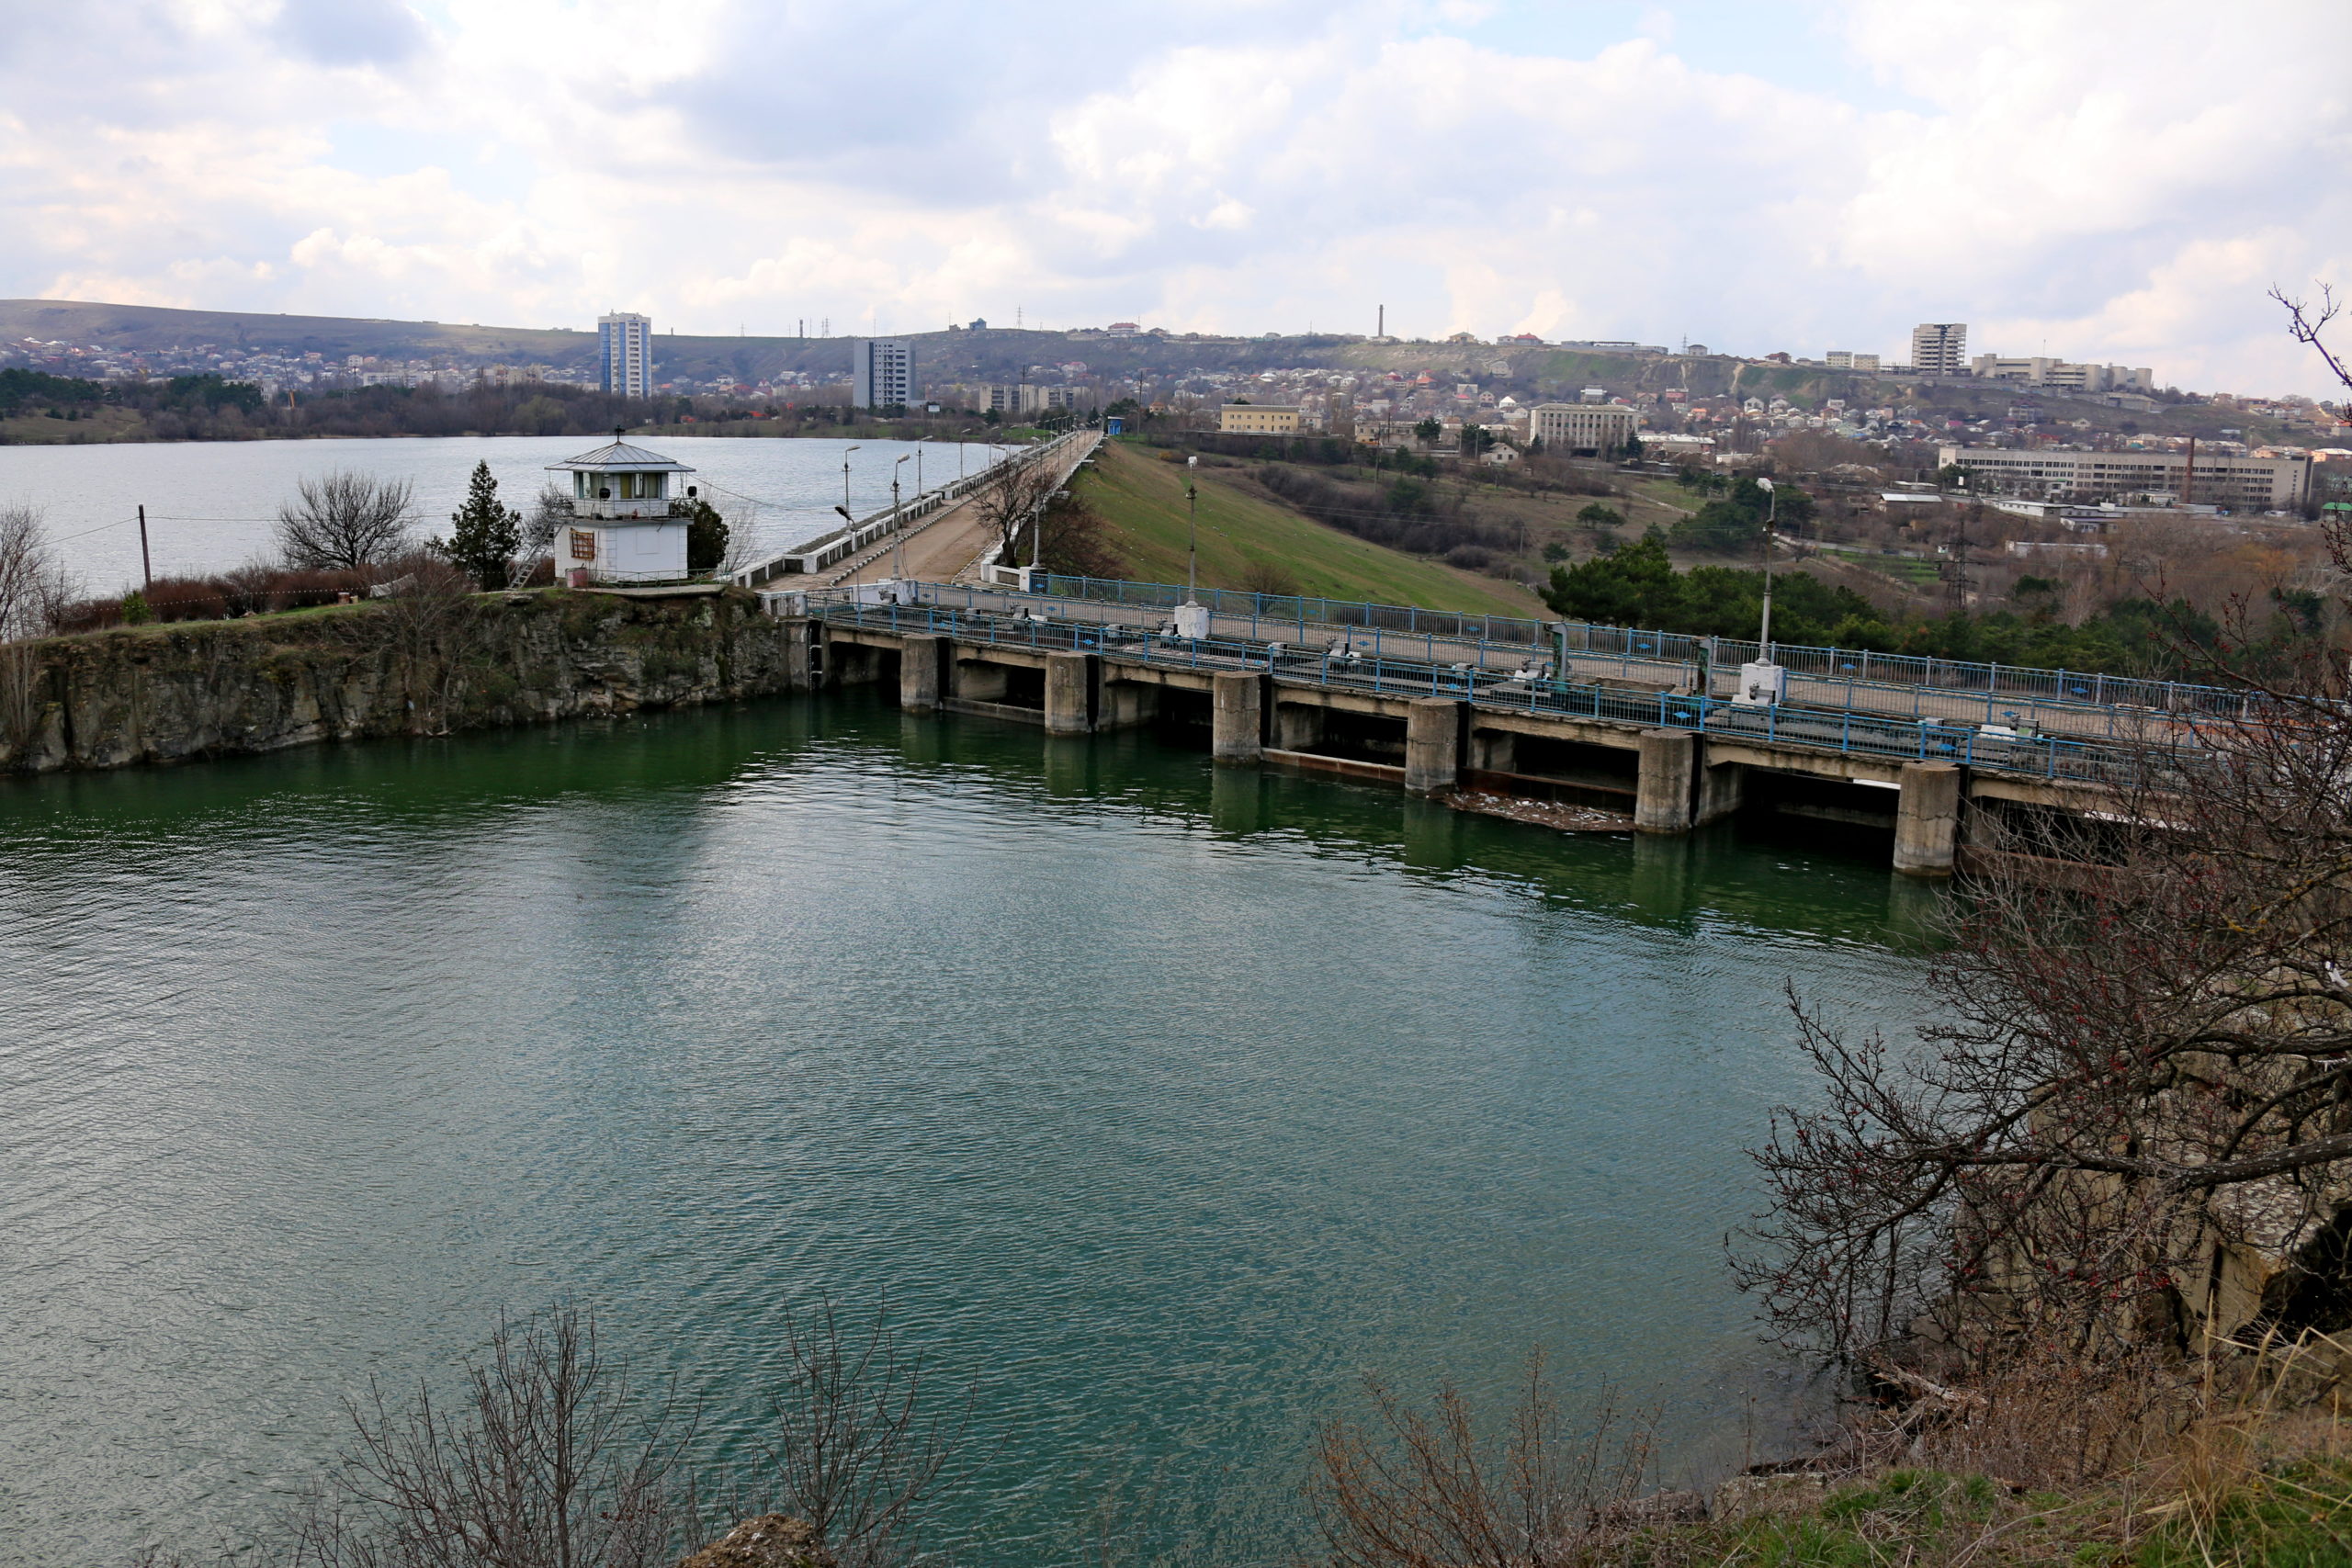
1141,502
36,428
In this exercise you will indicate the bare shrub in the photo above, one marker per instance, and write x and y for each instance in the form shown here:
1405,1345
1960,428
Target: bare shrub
345,520
1263,576
551,1456
34,587
858,1446
1425,1489
188,599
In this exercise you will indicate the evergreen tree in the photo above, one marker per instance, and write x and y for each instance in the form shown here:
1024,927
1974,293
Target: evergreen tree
705,536
486,534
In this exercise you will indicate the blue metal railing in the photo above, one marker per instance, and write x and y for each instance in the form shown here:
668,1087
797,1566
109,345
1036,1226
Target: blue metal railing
1841,730
2073,688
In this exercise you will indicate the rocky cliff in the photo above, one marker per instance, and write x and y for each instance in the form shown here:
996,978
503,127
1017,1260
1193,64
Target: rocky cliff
424,665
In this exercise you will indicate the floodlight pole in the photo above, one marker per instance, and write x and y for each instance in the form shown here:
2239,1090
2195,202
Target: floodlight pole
1192,533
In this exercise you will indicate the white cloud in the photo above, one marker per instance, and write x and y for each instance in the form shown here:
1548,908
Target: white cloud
2120,181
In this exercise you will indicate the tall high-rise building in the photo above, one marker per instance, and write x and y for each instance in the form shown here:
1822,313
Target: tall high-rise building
1940,348
881,373
625,352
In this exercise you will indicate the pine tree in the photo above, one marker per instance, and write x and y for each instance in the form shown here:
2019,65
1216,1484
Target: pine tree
486,534
706,536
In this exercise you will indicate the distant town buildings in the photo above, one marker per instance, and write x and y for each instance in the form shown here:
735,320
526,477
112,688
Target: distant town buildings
881,373
1847,359
2162,479
2060,375
625,353
1257,419
1567,428
1940,348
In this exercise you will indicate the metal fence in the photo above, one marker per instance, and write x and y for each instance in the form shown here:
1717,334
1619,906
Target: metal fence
1884,736
1857,666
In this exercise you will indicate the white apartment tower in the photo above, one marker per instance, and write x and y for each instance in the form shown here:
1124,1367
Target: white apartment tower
625,351
1940,348
881,373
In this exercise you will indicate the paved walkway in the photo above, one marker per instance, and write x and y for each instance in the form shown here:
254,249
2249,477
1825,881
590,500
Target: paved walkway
941,547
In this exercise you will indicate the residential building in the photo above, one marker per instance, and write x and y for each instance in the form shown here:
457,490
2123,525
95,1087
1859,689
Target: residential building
2059,375
1257,418
1940,348
1025,398
1591,428
625,352
2163,479
1847,359
881,373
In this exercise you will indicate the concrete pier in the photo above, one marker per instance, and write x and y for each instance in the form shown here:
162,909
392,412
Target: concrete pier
1298,727
1927,821
1723,789
1069,694
1236,718
1432,745
1662,798
921,660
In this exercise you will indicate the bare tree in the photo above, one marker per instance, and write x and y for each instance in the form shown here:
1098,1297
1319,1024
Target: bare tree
2308,325
1415,1489
858,1447
2132,1121
1013,497
551,1457
345,521
32,583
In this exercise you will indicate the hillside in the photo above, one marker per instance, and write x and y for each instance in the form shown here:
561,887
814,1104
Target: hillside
1249,542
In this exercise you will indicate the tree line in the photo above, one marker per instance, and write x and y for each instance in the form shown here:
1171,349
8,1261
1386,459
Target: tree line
209,408
1638,585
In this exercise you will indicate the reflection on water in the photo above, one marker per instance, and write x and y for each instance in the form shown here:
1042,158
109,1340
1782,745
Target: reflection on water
1162,1098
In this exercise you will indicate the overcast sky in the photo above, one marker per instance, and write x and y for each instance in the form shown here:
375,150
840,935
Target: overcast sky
2112,181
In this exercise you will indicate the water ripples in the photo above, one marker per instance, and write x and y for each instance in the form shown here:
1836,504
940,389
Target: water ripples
1160,1099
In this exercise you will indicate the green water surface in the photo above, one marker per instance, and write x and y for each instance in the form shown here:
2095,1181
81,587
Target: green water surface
1162,1099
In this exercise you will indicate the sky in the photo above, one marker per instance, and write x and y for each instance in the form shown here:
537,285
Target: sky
2107,180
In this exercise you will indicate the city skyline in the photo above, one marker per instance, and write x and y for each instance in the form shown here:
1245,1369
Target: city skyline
1821,174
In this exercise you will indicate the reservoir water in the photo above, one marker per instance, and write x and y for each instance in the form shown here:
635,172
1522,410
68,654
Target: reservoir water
211,504
1162,1099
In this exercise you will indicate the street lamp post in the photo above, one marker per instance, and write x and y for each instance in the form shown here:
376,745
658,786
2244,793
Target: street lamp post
897,530
1771,511
846,452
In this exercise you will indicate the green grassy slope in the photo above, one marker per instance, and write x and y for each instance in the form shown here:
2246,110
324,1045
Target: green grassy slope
1142,502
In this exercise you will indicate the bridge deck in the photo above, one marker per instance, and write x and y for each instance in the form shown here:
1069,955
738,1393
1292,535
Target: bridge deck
1832,716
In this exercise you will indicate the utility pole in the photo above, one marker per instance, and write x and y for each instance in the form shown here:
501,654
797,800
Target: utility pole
146,566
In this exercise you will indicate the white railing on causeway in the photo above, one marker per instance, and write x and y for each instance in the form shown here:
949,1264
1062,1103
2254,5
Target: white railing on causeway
837,545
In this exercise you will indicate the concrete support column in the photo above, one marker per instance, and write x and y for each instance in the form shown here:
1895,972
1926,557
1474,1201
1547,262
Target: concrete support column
1662,794
1927,821
1722,790
1236,715
921,659
1298,727
977,680
798,639
1432,745
1494,750
1069,694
